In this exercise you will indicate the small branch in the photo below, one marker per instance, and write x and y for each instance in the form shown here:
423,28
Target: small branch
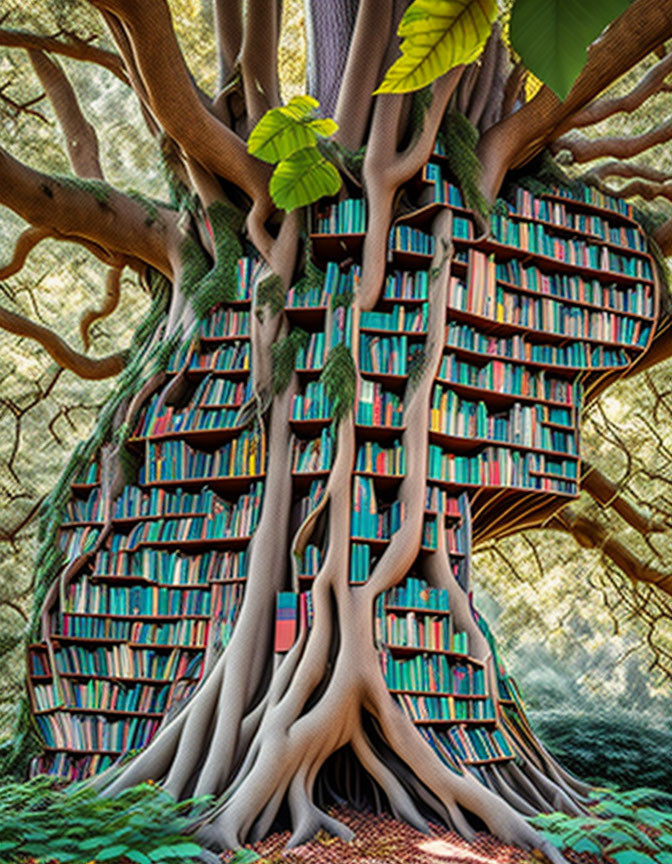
259,57
27,241
586,149
80,364
76,48
110,303
512,89
22,107
653,82
624,169
483,86
229,35
80,136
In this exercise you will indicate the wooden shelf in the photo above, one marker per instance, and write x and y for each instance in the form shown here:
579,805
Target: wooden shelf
381,481
408,650
406,260
202,438
420,609
85,751
435,693
490,761
337,247
310,317
193,544
606,212
378,433
231,484
553,368
441,721
464,444
508,489
136,579
388,379
500,397
219,340
109,712
121,679
311,427
109,640
412,335
136,616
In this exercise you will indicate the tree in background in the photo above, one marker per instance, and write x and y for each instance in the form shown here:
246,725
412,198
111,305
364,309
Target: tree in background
228,740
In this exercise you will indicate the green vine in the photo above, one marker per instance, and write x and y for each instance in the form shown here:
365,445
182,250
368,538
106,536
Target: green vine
283,357
459,138
339,377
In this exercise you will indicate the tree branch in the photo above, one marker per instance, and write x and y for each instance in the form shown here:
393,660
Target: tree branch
77,49
516,139
176,104
329,28
486,70
608,494
110,303
80,136
259,57
86,367
653,82
586,149
591,535
229,35
512,89
109,223
27,241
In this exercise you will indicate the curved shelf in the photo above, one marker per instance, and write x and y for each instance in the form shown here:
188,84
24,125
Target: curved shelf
465,444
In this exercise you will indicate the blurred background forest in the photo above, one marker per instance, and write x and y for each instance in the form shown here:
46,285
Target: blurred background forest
591,651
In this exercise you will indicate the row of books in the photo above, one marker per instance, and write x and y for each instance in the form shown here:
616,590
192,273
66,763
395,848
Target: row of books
425,632
467,744
530,207
70,767
226,603
173,568
439,501
336,281
243,456
433,673
500,466
87,598
122,661
313,456
341,326
226,322
535,238
372,458
73,732
404,285
415,593
362,561
310,501
367,520
346,217
632,299
442,192
188,631
442,708
160,419
313,404
551,316
135,502
384,354
591,195
405,239
222,392
378,407
78,541
233,358
520,425
311,356
455,537
579,355
413,319
90,475
105,695
513,380
293,612
92,509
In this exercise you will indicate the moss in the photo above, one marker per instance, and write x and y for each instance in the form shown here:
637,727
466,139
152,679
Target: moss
271,293
150,206
459,138
194,264
283,357
343,298
421,101
100,190
209,284
339,377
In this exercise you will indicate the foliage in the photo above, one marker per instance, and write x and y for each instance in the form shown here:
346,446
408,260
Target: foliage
287,137
143,825
459,138
340,380
271,293
552,36
438,35
283,356
625,827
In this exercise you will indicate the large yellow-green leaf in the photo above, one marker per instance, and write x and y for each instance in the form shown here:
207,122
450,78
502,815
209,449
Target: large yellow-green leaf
282,131
438,35
552,36
302,178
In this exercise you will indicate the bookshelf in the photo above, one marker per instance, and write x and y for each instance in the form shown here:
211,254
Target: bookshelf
164,585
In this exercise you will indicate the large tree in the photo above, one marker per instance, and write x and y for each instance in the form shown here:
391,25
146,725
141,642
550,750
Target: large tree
260,728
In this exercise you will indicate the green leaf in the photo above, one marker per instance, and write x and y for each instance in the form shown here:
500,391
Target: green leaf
585,844
244,856
112,852
664,857
138,857
438,35
632,856
282,131
177,850
552,36
302,178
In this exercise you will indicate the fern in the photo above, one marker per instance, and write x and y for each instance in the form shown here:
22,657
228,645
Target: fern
459,138
271,293
283,357
339,377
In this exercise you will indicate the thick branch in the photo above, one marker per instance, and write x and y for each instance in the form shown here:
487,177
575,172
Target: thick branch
329,28
109,223
586,149
653,82
229,35
77,49
516,139
86,367
80,136
608,494
259,57
592,535
176,104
